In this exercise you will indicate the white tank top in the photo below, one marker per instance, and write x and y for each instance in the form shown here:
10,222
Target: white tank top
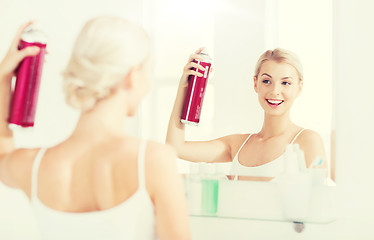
131,219
270,169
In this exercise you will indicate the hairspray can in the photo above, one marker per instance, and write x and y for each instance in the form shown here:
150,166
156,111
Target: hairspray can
195,92
25,95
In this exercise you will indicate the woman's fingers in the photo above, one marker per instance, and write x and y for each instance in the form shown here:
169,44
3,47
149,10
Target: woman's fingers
194,65
199,50
195,73
18,35
195,56
27,51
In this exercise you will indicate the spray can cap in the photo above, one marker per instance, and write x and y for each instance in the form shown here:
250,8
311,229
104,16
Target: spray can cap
33,34
205,54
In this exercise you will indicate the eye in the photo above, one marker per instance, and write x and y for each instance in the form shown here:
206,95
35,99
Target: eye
266,81
286,83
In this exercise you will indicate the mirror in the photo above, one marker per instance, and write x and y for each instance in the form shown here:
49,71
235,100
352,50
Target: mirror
236,33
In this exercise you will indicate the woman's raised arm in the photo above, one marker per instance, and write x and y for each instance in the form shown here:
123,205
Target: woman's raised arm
217,150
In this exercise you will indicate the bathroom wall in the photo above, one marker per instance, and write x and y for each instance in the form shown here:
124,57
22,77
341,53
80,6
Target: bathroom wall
353,118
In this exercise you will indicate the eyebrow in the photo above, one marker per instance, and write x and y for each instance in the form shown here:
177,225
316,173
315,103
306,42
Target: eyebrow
283,78
266,75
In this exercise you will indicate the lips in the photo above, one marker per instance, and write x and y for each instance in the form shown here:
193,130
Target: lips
274,102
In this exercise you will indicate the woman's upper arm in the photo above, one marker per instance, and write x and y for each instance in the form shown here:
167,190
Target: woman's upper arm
312,145
217,150
15,168
164,184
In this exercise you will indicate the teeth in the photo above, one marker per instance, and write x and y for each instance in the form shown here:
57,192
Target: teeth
275,101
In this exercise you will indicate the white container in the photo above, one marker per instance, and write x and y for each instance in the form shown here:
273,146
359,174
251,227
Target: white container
194,188
295,193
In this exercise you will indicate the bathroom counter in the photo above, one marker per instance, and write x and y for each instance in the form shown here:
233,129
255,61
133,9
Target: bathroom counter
261,210
206,228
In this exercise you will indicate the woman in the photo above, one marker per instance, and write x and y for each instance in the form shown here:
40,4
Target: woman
278,81
100,183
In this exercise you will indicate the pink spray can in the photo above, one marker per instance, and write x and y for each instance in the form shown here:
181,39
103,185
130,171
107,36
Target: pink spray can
25,95
195,92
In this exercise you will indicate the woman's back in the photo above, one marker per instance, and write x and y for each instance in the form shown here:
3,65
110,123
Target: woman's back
79,177
112,189
93,192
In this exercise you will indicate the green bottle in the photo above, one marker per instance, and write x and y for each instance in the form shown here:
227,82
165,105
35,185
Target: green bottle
209,196
209,193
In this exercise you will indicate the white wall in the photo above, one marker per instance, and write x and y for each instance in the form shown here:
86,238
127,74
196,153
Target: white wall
354,85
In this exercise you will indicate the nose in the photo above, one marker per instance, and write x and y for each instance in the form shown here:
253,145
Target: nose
276,89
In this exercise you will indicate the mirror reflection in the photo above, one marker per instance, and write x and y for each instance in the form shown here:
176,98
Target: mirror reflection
248,117
267,106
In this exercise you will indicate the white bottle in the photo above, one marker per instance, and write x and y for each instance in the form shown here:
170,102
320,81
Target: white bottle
294,185
194,188
291,164
300,157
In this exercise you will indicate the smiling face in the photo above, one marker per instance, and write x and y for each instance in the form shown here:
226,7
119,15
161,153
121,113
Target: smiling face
277,86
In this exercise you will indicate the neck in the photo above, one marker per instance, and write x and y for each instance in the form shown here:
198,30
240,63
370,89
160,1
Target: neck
106,118
275,125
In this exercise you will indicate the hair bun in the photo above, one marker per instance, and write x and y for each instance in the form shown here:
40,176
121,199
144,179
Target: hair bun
104,52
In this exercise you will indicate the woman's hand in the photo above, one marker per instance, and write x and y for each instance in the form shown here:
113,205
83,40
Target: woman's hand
190,67
7,70
14,56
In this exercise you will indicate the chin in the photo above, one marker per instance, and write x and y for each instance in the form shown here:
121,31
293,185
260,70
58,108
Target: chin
131,113
275,112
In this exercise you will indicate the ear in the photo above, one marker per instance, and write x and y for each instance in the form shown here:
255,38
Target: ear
301,84
255,85
127,82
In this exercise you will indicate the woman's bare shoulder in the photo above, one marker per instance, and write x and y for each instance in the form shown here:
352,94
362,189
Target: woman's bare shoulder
22,157
160,152
16,167
308,137
312,144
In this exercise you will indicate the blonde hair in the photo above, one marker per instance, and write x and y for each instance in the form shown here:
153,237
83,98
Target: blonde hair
280,55
104,52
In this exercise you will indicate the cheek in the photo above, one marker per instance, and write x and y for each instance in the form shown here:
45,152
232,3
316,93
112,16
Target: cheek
262,90
290,94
